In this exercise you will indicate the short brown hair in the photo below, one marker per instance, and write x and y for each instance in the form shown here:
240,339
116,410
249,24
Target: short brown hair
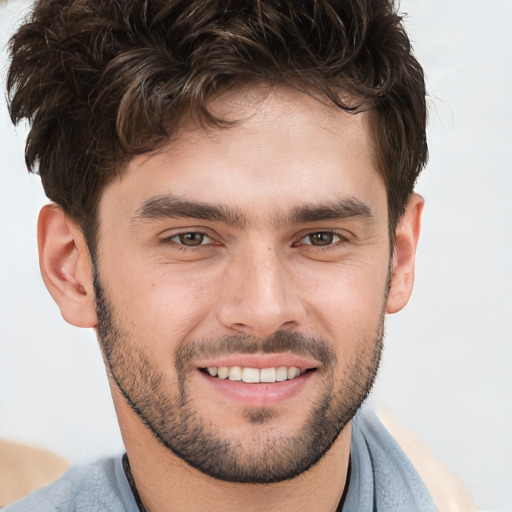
103,80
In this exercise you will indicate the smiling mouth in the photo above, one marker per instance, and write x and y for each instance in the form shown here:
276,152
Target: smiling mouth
256,375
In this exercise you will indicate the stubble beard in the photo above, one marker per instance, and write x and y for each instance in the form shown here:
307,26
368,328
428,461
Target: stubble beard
171,417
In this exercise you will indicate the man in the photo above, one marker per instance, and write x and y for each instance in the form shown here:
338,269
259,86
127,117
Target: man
233,212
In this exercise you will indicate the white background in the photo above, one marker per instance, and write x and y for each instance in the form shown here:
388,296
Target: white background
447,367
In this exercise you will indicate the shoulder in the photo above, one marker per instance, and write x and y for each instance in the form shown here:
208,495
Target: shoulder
24,469
405,449
98,486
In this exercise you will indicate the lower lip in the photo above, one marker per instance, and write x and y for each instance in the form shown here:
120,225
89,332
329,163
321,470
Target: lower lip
259,395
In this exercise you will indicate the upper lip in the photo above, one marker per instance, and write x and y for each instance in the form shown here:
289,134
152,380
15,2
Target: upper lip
260,361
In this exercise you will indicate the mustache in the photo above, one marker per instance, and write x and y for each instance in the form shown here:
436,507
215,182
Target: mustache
281,341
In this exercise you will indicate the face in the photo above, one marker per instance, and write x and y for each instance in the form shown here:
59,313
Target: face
241,280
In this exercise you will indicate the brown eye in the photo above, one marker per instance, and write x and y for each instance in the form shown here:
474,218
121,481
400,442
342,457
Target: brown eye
321,238
191,239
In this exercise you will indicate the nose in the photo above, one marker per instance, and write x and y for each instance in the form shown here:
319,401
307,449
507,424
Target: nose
259,296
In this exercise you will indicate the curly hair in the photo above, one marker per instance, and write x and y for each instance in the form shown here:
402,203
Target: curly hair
103,80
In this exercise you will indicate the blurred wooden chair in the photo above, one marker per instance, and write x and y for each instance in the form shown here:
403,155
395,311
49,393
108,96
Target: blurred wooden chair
447,491
24,469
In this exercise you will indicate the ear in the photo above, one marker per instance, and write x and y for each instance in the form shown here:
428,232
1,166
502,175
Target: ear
402,269
66,266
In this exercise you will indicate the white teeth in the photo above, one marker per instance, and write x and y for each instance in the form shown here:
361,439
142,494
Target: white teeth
281,374
293,372
255,375
251,375
235,373
268,375
223,372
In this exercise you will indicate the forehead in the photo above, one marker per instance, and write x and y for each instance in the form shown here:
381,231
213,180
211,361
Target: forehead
281,149
279,116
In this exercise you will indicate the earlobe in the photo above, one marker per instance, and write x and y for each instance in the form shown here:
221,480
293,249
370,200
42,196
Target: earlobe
402,269
66,266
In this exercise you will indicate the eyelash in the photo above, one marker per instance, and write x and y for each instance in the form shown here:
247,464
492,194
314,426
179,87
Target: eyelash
342,240
181,246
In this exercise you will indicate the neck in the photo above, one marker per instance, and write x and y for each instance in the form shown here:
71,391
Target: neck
166,483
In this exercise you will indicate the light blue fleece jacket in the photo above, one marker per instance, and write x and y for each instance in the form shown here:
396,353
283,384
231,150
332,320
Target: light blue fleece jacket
382,479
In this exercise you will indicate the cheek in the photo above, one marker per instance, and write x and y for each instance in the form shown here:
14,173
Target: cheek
347,302
159,307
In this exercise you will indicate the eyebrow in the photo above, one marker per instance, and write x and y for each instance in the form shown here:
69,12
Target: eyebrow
170,206
349,208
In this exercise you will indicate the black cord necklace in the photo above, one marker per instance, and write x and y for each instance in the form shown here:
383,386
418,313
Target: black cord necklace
129,477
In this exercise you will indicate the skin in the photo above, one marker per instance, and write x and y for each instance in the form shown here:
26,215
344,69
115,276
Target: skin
251,279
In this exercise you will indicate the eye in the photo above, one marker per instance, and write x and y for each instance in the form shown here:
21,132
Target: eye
191,239
321,239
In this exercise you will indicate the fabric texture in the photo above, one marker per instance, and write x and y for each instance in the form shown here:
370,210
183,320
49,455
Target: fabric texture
447,490
24,469
382,479
101,486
